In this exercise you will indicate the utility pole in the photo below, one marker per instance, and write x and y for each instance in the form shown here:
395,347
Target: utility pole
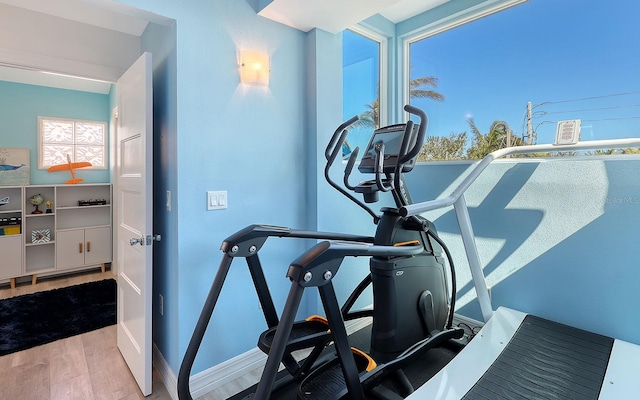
529,125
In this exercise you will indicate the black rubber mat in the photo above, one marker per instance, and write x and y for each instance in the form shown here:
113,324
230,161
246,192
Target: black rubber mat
546,360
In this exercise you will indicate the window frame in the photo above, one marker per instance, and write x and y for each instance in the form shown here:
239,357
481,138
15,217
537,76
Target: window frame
446,23
383,68
41,142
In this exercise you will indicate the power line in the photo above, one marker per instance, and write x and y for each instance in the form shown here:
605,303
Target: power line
588,98
586,109
585,120
609,119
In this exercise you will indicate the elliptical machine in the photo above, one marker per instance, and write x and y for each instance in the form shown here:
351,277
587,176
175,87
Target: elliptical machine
413,295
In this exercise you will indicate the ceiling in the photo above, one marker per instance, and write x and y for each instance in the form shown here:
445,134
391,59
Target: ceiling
336,15
101,13
329,15
42,78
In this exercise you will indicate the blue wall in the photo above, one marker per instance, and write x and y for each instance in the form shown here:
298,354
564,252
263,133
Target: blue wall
247,140
557,238
20,106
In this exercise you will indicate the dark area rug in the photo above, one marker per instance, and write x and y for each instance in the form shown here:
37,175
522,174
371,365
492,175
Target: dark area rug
35,319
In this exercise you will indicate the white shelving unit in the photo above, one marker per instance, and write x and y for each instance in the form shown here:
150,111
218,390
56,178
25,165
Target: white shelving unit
11,242
69,236
83,232
39,258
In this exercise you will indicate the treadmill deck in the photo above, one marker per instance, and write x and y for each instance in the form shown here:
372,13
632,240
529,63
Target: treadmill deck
520,356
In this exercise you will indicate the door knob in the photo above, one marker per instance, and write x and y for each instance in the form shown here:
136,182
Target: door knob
134,241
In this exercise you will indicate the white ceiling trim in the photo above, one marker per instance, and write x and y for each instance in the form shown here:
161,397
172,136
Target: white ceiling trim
54,80
406,9
335,16
86,12
332,16
105,14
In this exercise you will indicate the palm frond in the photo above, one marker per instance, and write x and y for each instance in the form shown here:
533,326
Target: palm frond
426,94
417,92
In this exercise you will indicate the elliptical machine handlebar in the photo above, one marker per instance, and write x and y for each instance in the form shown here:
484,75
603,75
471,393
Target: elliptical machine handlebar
335,144
405,156
422,129
387,168
331,153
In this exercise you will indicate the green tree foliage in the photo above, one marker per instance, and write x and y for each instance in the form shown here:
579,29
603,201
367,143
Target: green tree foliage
443,148
369,118
498,137
628,150
419,88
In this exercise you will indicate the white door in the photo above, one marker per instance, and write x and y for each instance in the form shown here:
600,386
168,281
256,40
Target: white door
133,218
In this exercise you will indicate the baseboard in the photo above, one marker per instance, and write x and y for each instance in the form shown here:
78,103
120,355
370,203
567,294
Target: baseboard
169,379
457,318
212,378
225,372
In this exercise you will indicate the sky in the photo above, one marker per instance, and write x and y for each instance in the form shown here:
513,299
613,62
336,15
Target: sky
572,59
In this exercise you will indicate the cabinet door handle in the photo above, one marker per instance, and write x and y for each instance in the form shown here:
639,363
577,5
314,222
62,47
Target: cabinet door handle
79,247
88,247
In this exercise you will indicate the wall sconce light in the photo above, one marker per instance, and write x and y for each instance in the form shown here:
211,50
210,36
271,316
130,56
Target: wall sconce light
254,68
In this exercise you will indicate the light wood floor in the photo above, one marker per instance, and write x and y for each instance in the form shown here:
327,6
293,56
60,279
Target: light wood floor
49,283
83,367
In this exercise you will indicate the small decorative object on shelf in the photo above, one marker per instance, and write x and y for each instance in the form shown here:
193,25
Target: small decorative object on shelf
40,236
49,204
5,200
36,200
10,226
70,166
92,202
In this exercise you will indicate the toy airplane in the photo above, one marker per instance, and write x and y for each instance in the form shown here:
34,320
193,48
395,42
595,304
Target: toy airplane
70,166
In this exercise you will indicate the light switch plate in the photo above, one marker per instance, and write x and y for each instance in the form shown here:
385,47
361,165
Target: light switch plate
217,200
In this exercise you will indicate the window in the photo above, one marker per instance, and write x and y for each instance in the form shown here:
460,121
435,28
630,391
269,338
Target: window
62,139
514,74
364,86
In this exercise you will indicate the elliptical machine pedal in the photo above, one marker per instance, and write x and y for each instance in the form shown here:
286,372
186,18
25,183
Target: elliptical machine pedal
310,333
328,382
